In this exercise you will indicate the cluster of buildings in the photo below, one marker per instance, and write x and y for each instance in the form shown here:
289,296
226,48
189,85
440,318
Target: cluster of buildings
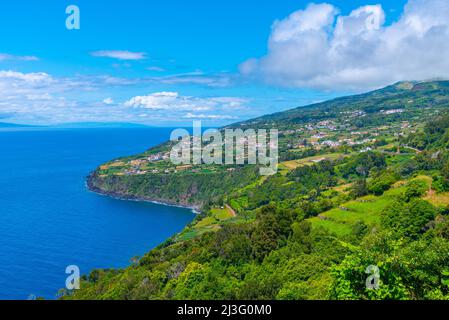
317,140
159,156
134,172
136,165
318,134
354,114
393,111
137,172
327,124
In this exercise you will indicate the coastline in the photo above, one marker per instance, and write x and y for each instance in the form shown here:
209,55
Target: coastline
195,209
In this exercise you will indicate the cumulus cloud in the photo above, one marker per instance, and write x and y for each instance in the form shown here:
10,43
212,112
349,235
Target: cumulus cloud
320,48
174,101
41,98
26,78
31,97
120,55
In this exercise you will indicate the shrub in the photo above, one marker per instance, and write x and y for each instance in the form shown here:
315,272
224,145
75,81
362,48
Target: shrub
416,189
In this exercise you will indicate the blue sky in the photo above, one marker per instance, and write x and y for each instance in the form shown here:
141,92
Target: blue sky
169,62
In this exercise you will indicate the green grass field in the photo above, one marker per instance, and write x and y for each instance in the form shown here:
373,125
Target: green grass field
367,209
287,166
210,223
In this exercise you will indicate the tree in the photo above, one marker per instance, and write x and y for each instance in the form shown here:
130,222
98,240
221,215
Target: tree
407,270
363,163
359,188
272,229
301,234
360,229
408,219
382,181
415,189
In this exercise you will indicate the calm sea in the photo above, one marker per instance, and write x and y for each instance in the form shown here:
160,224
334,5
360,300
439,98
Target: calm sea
49,220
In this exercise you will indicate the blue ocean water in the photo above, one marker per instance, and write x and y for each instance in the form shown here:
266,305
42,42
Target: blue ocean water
49,220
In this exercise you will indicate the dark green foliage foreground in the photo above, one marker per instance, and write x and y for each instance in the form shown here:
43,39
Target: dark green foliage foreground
312,230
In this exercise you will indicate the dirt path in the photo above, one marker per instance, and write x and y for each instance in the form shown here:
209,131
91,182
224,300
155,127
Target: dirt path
232,211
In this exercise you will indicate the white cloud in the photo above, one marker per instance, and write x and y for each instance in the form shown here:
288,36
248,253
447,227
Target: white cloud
311,20
197,78
6,56
28,78
174,102
108,101
319,48
41,98
214,81
120,55
156,68
158,101
209,116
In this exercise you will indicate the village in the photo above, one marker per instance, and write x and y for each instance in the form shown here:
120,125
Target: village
324,137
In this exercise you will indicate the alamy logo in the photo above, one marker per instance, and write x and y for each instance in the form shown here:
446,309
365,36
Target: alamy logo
73,21
372,282
237,147
73,280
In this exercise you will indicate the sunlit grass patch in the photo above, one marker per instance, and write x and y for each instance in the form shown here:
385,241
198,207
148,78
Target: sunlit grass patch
293,164
222,214
438,199
206,222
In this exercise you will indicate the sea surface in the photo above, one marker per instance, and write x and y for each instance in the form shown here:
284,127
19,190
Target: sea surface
48,218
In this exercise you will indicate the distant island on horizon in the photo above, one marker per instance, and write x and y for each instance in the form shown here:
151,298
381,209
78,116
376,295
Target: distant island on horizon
77,125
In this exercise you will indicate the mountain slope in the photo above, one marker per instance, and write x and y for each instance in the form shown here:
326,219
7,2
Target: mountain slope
411,96
363,181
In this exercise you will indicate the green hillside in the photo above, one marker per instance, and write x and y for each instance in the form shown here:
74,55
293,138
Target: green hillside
363,181
409,96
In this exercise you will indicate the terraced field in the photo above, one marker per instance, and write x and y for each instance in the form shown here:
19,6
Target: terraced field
287,166
367,209
210,223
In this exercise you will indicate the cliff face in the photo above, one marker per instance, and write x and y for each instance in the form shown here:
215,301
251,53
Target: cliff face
190,190
133,188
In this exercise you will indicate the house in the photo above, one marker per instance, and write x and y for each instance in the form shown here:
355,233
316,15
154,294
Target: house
393,111
159,156
136,163
320,135
330,143
367,149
